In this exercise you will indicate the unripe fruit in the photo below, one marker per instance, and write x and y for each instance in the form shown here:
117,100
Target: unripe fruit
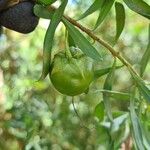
19,17
71,76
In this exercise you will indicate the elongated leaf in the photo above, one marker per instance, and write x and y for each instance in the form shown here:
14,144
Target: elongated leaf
108,86
48,41
41,12
71,41
99,111
118,95
104,11
142,87
97,4
101,72
117,122
81,41
137,133
47,2
145,57
139,6
120,19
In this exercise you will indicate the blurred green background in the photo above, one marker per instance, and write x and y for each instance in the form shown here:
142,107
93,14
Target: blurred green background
33,115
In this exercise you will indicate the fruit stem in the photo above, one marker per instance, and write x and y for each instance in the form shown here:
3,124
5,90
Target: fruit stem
68,53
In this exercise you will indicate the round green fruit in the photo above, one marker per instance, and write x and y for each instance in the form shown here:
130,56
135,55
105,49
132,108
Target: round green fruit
71,76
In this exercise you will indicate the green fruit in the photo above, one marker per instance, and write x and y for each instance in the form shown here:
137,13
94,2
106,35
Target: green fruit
71,76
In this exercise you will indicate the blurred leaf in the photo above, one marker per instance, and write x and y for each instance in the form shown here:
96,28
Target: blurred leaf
71,41
48,41
141,86
41,12
120,19
139,6
97,4
117,95
108,86
137,133
117,122
101,72
145,57
99,111
81,41
46,2
104,11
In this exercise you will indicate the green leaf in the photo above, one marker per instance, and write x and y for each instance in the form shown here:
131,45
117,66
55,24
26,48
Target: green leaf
104,11
71,41
117,95
99,111
145,57
46,2
97,4
139,6
117,122
100,72
41,12
141,86
120,19
48,41
81,41
137,132
108,86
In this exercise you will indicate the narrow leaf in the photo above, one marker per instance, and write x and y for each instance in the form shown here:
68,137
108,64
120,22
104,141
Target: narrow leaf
41,12
81,41
141,86
101,72
145,57
71,41
97,4
139,6
120,19
137,133
117,122
104,11
99,111
48,41
108,86
117,95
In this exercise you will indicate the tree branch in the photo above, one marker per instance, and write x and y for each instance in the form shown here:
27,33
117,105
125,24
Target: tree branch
99,40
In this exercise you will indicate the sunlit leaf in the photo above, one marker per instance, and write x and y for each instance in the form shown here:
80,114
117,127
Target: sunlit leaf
120,19
82,42
145,57
139,6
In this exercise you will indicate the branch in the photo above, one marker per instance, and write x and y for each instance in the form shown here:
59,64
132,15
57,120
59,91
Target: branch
99,40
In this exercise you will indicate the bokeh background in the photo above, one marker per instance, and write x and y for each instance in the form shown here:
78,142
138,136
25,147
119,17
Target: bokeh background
33,115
